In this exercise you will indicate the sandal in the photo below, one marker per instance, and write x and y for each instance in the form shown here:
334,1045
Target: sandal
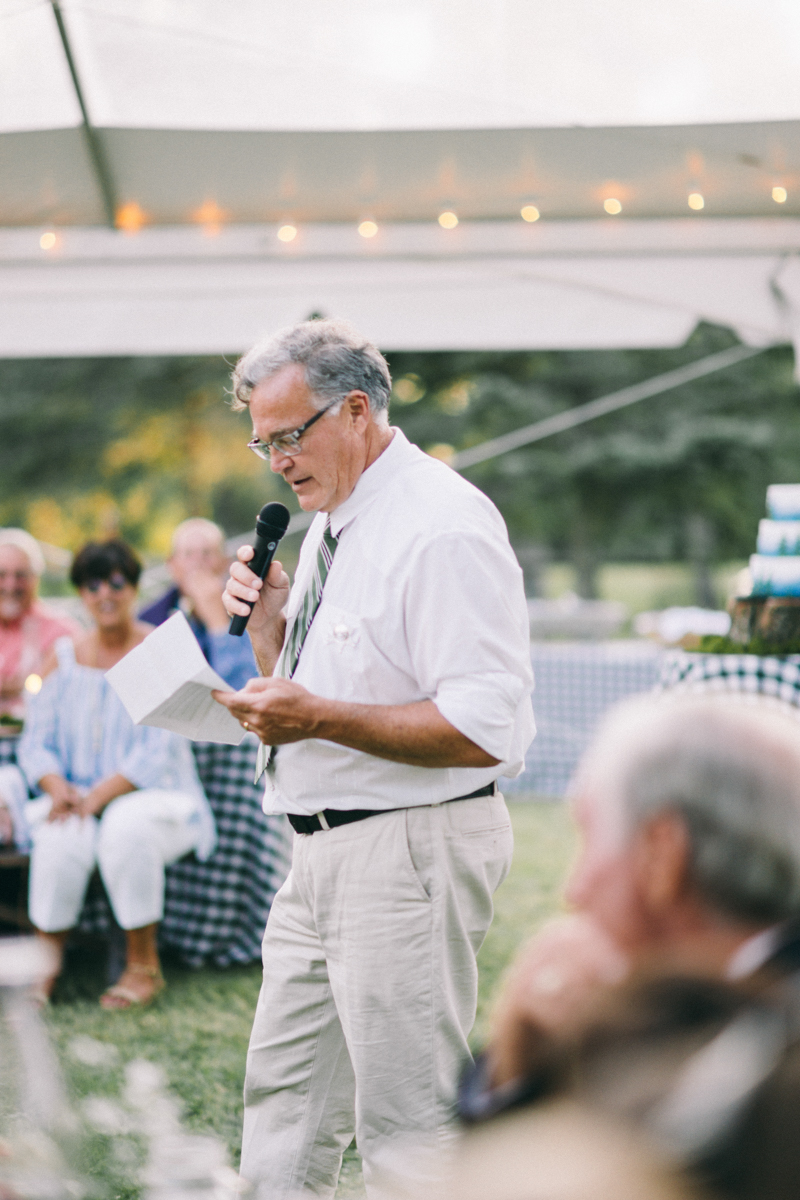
120,997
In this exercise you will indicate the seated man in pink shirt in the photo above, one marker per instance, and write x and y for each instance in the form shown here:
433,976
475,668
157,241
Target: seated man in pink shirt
28,630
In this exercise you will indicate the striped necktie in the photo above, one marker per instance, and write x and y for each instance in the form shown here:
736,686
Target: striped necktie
293,643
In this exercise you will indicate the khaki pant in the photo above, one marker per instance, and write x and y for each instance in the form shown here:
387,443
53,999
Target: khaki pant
369,993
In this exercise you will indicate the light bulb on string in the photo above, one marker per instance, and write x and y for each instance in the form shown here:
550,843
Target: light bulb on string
130,217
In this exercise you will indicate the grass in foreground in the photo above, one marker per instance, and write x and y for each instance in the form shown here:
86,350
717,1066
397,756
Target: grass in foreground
198,1030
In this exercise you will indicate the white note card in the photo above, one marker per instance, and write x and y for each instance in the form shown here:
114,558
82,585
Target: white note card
165,681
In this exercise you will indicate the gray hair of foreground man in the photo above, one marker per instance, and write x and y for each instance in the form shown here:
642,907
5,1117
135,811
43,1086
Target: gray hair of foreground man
334,356
730,768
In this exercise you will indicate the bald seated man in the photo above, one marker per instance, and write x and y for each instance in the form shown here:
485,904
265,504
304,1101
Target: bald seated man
198,564
672,997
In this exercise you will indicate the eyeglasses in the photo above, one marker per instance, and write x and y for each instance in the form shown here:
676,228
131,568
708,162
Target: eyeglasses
117,583
287,443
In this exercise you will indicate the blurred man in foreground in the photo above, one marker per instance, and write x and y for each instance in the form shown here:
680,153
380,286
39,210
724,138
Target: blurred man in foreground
562,1151
199,566
688,885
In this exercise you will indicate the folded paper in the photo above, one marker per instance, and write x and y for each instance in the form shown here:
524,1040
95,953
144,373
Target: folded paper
165,681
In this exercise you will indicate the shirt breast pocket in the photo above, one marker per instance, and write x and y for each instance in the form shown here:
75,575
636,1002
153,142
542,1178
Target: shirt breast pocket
341,630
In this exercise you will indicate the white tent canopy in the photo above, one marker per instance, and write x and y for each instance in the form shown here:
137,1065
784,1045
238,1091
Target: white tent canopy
203,128
400,64
494,285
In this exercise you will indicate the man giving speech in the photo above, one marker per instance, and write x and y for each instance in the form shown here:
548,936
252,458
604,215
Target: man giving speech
396,689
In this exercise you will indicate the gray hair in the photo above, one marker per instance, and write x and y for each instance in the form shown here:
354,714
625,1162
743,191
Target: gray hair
729,766
28,545
335,358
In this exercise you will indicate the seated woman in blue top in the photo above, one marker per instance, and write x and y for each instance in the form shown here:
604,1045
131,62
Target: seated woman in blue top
120,796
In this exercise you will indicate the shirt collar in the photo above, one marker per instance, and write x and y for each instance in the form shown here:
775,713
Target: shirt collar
372,481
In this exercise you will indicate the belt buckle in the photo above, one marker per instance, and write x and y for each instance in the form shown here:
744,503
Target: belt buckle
323,821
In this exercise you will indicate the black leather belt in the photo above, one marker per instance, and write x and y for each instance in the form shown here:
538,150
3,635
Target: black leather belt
329,818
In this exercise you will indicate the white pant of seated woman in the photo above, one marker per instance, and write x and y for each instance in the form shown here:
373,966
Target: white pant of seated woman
134,839
14,796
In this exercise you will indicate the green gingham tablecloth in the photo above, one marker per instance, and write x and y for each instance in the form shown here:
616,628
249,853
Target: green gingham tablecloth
216,911
755,674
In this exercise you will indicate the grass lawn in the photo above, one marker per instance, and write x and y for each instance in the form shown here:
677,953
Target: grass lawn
198,1030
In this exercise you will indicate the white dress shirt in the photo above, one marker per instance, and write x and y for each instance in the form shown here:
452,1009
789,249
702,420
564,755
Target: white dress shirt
424,601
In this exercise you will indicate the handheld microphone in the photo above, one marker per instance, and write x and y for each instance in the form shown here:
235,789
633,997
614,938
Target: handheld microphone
271,525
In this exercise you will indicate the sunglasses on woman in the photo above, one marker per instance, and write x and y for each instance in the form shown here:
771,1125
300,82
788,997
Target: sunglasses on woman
117,583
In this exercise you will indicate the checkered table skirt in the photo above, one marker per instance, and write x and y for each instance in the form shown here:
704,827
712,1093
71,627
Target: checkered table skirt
750,673
8,750
575,683
216,911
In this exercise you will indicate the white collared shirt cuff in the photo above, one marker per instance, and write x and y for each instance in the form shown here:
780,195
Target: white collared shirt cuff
484,709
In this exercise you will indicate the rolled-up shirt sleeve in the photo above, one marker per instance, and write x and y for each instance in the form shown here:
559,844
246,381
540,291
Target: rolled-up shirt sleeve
38,750
467,630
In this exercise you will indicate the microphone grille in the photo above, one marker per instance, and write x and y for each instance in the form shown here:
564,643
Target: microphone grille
274,514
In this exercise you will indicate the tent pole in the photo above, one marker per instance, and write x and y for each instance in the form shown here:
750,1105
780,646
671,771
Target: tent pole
602,405
93,143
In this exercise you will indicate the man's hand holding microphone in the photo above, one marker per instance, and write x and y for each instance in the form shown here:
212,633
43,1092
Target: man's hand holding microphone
275,709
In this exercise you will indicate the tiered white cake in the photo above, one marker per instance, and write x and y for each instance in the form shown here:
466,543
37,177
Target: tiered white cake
775,568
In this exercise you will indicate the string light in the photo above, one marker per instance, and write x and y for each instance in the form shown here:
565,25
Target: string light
287,233
612,206
448,220
130,217
529,212
48,240
695,200
779,195
210,216
368,229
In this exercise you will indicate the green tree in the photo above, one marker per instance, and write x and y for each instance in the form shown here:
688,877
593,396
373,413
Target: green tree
680,476
94,446
90,446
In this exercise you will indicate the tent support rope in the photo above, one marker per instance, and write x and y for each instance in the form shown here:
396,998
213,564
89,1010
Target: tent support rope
602,405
